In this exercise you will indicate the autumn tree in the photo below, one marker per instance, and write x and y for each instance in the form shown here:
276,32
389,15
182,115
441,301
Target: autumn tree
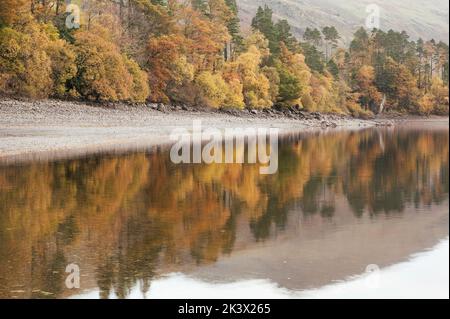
218,93
193,52
256,86
294,78
399,84
104,73
23,70
13,11
365,82
168,66
205,39
438,95
63,62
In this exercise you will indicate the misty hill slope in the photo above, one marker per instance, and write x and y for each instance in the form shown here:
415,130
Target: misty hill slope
420,18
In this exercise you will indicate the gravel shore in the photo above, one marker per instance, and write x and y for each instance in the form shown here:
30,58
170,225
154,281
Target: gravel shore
51,128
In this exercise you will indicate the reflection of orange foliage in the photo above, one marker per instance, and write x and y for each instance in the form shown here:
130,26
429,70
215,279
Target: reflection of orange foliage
128,214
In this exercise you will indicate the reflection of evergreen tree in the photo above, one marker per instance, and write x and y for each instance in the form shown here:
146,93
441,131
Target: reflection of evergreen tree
274,215
47,268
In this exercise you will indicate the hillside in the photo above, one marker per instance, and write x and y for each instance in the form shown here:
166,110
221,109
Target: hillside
420,18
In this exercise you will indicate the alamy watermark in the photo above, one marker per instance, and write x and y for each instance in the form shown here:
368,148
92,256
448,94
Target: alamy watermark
373,19
73,19
73,279
228,146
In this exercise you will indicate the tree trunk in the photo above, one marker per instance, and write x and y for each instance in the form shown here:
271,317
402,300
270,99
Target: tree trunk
381,108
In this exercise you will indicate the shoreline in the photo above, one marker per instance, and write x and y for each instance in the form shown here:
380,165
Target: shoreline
53,129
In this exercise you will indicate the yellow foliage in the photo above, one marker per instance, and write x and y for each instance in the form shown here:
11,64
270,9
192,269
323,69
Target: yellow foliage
320,92
440,94
195,53
25,66
426,104
13,11
365,79
355,108
308,103
182,70
295,77
258,40
234,97
63,58
256,86
35,63
327,95
366,75
104,73
219,93
274,81
139,90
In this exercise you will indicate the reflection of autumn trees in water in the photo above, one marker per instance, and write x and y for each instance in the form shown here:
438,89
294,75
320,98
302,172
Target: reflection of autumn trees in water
411,168
130,216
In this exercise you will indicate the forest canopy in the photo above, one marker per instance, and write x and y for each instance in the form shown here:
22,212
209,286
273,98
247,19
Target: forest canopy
193,52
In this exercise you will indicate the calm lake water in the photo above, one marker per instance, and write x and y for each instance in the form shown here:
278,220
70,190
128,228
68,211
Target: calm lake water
340,201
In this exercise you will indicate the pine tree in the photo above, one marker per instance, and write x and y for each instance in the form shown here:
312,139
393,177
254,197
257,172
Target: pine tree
331,35
313,36
234,23
283,34
263,22
313,57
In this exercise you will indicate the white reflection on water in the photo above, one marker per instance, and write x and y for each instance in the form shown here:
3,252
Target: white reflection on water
425,275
